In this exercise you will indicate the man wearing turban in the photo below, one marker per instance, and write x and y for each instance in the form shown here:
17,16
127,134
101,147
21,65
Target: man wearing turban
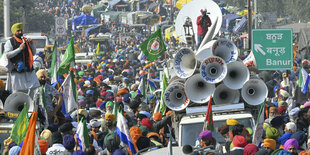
21,76
49,93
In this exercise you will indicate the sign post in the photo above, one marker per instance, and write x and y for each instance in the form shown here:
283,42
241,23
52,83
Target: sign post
60,26
272,48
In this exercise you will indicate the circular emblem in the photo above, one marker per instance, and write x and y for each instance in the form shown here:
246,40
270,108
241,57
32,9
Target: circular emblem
153,46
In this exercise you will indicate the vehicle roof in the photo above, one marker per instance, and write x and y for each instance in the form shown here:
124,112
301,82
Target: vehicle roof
190,119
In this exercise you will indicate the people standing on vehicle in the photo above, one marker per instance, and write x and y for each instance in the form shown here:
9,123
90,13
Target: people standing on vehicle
19,51
203,22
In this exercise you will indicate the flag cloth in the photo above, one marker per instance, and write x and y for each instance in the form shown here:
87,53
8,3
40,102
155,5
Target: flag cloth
163,105
28,146
303,80
20,126
151,83
53,70
258,133
154,46
43,96
97,49
82,134
123,132
142,85
209,117
69,94
67,59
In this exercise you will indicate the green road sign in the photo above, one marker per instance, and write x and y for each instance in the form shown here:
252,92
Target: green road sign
272,48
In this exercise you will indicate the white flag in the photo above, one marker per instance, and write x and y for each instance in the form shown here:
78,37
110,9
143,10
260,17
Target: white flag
68,96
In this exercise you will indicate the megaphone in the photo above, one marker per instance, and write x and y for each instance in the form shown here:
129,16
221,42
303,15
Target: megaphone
237,75
185,63
225,95
198,90
225,49
213,69
14,103
175,97
176,79
254,91
205,51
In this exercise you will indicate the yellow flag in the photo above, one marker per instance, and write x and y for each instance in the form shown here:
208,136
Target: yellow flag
97,49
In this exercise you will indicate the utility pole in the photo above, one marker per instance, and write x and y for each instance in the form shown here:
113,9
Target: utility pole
6,15
249,24
255,14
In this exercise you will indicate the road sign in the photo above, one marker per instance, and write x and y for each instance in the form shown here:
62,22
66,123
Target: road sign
272,48
60,26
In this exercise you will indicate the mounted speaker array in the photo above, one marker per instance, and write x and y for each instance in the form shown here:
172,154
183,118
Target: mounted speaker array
212,71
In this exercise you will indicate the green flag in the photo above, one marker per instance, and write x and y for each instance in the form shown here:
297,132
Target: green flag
67,59
20,126
43,96
163,106
53,65
154,46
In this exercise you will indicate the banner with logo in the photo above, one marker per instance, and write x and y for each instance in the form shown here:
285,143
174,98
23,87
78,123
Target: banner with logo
154,46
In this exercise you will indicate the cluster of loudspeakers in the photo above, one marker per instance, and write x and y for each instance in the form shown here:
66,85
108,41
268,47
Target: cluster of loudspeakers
219,75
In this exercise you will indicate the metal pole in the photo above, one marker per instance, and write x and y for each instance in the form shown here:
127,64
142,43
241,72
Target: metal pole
6,14
255,14
249,23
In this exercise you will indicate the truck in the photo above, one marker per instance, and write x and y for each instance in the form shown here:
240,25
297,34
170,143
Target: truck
188,126
39,39
192,123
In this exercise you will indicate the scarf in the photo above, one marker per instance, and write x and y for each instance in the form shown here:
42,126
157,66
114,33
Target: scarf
30,57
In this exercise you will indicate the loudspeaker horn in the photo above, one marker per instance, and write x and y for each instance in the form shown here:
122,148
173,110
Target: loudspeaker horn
213,69
185,63
176,79
225,95
237,75
205,51
188,11
225,49
15,103
198,90
254,91
175,97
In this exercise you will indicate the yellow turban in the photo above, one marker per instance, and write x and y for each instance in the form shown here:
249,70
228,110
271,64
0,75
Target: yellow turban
42,72
231,121
83,112
17,26
270,143
47,134
109,116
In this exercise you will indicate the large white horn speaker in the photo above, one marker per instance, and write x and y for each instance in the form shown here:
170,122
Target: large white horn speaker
237,75
254,91
192,10
225,95
213,69
205,51
175,97
198,90
225,49
15,103
185,63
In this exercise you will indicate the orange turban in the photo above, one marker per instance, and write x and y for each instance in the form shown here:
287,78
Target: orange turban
43,146
270,143
158,116
122,91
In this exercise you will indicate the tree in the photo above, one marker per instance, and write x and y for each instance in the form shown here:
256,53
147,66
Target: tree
36,20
